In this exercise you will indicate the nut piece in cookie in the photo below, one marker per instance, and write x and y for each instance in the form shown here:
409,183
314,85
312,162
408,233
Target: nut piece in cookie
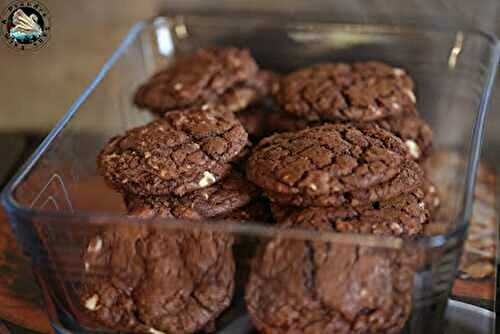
332,164
147,279
298,286
186,151
231,193
359,92
222,78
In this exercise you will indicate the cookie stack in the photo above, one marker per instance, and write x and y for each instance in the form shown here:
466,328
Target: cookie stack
184,165
333,147
347,161
355,153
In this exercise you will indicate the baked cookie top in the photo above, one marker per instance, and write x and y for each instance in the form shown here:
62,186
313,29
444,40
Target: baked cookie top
185,151
332,160
347,92
195,79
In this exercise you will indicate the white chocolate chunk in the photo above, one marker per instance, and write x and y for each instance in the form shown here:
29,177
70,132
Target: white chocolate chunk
155,331
413,148
207,179
92,303
95,245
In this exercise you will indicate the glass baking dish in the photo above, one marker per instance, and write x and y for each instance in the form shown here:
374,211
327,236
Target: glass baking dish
57,203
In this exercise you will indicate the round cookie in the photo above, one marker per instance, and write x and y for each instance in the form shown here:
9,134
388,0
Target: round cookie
145,279
188,150
359,92
413,130
223,197
196,79
310,287
333,163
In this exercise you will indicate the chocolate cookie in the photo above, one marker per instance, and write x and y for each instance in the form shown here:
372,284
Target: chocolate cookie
225,77
263,121
404,215
242,95
145,279
312,287
336,91
256,211
331,164
223,197
413,130
186,151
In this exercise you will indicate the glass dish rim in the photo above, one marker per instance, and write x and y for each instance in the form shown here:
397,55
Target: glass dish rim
14,208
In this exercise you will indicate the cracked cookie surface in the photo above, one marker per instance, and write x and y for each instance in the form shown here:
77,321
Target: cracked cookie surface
205,77
185,151
298,286
413,130
347,92
231,193
333,164
143,278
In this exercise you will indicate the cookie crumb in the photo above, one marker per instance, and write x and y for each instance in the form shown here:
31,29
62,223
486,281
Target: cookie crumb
95,245
92,302
413,147
207,179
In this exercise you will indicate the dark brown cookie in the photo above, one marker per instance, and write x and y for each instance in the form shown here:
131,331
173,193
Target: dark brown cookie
197,79
242,95
145,279
313,287
407,180
404,215
336,91
413,130
187,150
257,211
331,164
263,121
223,197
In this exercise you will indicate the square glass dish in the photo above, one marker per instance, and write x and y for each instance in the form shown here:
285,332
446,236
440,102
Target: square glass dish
58,205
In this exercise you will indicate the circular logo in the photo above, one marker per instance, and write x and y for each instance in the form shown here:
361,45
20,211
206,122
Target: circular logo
25,25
